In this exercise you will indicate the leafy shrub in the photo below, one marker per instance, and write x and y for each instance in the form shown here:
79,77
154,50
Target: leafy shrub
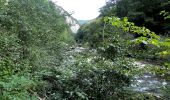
31,38
89,77
16,88
148,40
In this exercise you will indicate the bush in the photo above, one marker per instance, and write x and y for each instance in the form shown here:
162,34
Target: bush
32,33
16,88
89,77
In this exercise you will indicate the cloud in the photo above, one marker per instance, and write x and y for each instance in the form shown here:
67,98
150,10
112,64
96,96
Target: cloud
83,9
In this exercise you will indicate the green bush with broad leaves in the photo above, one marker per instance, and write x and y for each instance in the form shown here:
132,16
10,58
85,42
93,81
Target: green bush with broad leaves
16,88
146,36
155,46
32,36
90,76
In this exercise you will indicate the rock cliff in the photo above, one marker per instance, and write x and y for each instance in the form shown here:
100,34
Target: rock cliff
72,22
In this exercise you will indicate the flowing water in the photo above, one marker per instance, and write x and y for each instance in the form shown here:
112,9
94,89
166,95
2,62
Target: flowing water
147,83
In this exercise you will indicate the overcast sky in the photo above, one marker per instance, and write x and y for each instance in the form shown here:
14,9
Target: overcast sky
83,9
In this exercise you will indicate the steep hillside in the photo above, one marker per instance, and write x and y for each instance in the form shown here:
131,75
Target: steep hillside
72,22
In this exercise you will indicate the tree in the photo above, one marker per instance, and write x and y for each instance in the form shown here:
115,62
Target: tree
141,12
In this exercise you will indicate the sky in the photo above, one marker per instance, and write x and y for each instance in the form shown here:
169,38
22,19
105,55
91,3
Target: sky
83,9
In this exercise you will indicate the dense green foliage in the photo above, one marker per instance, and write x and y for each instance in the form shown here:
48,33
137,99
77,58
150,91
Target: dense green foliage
149,38
37,62
90,77
31,36
103,36
154,15
141,12
117,38
113,39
